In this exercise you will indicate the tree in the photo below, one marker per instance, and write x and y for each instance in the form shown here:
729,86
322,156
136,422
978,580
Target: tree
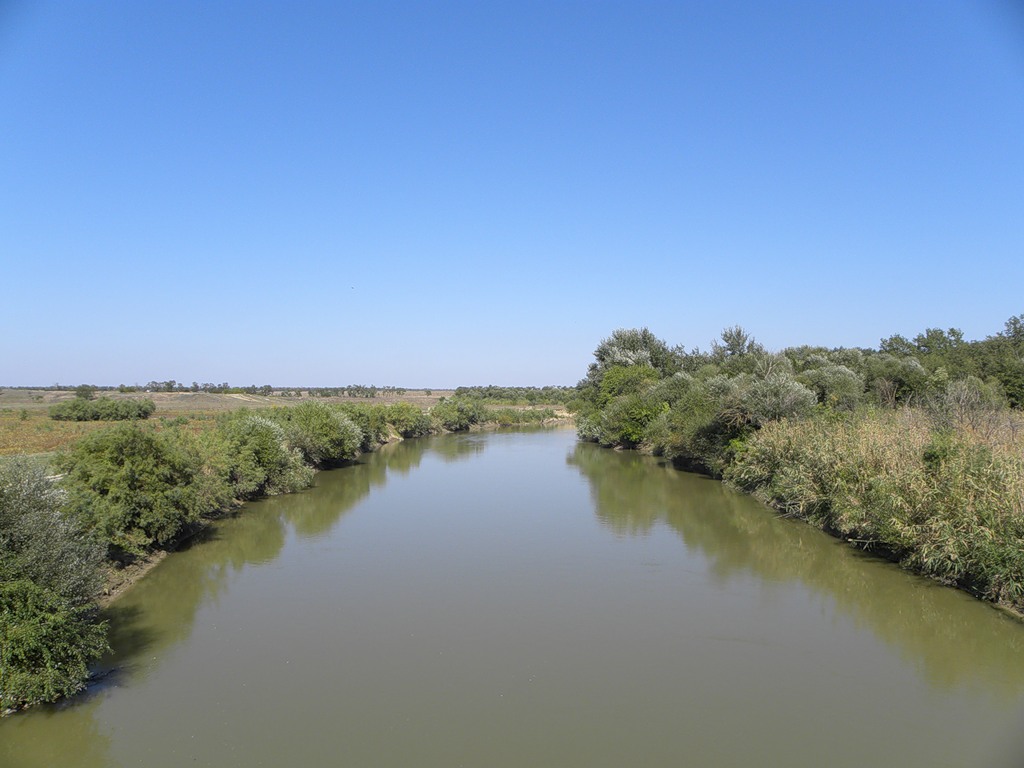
637,347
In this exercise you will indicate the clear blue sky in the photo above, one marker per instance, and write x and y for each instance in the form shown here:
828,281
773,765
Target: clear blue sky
436,194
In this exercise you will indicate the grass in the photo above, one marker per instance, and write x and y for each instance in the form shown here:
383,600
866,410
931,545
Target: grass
25,426
947,503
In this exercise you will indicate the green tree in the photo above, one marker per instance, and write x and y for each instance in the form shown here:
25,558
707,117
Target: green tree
140,488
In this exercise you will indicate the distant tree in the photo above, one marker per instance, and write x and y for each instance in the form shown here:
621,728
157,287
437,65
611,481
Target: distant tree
85,391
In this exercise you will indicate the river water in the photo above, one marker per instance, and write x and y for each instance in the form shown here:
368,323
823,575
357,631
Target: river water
520,599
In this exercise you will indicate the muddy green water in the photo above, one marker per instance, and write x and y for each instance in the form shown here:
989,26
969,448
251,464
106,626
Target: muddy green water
523,600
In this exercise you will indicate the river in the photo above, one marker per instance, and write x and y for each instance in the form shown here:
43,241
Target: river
521,599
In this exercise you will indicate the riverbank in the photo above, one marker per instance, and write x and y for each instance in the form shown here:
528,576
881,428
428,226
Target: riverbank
128,494
915,466
122,577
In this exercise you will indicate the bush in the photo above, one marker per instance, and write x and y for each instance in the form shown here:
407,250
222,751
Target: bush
46,644
835,386
408,420
322,435
140,488
38,541
458,414
372,422
103,409
624,380
777,397
508,417
697,428
625,421
259,460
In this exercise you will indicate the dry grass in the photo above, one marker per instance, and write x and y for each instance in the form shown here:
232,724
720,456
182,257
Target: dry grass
949,504
25,426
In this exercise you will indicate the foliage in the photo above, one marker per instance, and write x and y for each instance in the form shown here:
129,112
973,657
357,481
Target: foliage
259,459
637,347
49,573
624,422
776,397
323,435
46,644
509,417
140,488
836,386
102,409
948,504
38,541
518,395
458,414
371,420
621,380
408,420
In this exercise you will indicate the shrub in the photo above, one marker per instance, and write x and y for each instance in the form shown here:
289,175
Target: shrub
458,414
140,488
508,417
372,422
777,397
103,409
621,380
259,460
944,504
323,435
38,541
408,420
46,644
625,421
834,385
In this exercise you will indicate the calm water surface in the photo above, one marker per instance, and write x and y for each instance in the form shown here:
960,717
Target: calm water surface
523,600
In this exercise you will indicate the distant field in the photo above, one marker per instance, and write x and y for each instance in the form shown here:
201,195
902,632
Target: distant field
25,425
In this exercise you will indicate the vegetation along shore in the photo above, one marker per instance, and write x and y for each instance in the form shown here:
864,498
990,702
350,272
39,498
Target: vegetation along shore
114,497
912,450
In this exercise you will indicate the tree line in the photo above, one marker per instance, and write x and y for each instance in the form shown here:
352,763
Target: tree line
911,450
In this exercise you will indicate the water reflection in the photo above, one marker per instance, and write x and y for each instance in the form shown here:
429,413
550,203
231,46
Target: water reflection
200,571
28,740
488,588
953,639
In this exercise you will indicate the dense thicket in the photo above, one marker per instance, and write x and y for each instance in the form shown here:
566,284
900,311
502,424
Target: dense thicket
102,409
912,449
518,395
49,572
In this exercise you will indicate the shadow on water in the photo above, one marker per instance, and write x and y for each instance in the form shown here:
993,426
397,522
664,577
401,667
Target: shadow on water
952,638
160,610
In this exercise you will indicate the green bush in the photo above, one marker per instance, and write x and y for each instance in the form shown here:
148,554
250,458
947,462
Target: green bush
259,460
46,644
458,414
408,420
324,436
834,385
621,380
943,503
776,397
141,488
103,409
625,420
372,422
509,417
39,541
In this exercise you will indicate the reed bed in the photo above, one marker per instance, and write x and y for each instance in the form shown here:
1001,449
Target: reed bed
944,499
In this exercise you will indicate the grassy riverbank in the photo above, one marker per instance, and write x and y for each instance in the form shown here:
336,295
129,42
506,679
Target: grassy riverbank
82,523
890,450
